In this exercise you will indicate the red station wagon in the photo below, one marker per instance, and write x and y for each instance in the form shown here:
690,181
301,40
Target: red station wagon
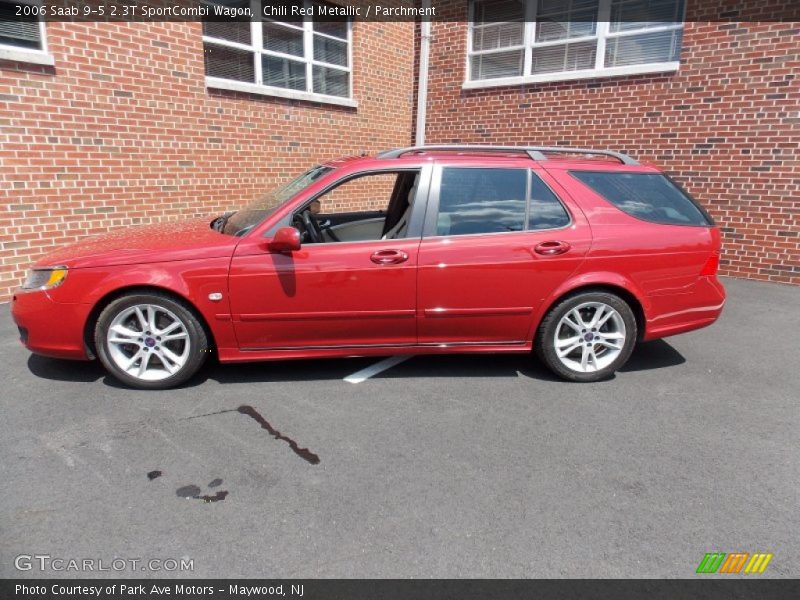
575,254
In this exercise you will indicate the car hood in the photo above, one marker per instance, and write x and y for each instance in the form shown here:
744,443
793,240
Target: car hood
181,240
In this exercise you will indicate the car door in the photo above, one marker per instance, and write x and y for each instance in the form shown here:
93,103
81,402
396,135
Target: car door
496,242
333,294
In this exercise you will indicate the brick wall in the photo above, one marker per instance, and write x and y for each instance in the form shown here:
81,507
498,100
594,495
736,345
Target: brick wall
372,192
727,125
122,131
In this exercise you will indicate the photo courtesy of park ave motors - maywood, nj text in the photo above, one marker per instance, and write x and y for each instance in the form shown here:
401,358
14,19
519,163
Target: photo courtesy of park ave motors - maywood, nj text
413,298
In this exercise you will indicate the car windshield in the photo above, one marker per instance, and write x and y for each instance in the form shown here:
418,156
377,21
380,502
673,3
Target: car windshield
244,219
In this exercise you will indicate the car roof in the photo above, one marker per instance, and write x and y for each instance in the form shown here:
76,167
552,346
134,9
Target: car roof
476,158
344,160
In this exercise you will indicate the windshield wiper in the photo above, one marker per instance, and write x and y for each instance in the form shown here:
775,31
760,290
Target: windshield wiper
218,224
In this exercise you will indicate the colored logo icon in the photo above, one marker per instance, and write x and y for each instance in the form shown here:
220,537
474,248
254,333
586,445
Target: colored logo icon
721,562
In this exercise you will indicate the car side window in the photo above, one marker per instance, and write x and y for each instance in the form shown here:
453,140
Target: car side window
648,196
483,200
546,211
370,206
367,194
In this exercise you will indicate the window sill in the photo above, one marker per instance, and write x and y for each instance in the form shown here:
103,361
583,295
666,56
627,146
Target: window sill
36,57
573,75
252,88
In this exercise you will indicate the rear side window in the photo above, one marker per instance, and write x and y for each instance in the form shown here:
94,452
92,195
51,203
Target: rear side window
546,211
647,196
479,200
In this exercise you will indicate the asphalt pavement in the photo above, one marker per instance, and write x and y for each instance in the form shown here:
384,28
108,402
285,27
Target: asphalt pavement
447,466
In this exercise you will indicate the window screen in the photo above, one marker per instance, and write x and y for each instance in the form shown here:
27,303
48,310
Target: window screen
544,40
282,51
19,31
647,196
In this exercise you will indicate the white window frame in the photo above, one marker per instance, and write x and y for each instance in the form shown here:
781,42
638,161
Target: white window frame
40,56
256,48
601,35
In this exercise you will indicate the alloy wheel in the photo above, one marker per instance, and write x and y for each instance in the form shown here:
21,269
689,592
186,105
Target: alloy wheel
148,342
589,337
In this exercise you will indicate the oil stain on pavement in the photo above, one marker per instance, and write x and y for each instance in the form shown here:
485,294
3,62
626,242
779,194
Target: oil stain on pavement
304,453
193,492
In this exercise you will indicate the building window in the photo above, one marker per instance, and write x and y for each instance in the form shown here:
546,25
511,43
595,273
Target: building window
22,32
303,58
522,41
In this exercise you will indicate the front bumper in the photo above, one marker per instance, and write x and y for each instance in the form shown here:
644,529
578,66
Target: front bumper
48,327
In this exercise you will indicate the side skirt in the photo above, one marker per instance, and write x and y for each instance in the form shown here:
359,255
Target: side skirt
229,355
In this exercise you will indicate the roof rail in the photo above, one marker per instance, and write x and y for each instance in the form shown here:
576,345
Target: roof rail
535,152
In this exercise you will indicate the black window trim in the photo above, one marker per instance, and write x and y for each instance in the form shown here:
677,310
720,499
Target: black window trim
709,219
430,228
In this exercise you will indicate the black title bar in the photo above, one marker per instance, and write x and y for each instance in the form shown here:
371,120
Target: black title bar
358,589
360,10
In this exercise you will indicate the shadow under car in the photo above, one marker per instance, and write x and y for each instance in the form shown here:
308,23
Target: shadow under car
657,354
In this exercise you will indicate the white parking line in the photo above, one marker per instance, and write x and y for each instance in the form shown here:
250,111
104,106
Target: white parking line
378,367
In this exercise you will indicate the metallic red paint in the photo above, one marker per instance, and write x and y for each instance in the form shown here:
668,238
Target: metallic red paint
470,293
323,295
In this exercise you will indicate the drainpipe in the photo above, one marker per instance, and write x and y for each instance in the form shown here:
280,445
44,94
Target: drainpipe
422,84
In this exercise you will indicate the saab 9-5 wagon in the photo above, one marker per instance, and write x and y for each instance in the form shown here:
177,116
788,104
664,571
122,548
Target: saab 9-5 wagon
574,254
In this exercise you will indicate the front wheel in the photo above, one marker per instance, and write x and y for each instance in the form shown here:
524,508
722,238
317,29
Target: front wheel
150,341
587,337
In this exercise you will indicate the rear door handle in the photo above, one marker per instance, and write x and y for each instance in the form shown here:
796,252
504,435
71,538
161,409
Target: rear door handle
388,257
552,248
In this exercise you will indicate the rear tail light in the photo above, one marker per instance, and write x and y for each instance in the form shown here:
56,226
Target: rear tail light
711,267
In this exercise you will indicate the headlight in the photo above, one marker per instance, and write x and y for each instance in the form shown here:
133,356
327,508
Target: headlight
45,279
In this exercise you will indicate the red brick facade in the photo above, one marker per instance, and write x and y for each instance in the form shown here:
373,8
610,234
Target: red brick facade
122,131
726,125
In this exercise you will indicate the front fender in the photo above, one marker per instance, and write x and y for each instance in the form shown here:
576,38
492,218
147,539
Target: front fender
191,280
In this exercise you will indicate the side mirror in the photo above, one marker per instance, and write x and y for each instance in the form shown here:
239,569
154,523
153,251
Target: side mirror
287,239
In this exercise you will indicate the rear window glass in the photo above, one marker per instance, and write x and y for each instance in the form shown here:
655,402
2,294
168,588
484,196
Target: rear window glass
647,196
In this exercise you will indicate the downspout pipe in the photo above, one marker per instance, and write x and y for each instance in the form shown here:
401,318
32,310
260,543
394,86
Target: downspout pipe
422,84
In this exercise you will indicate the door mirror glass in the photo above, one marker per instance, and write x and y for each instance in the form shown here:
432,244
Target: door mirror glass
287,239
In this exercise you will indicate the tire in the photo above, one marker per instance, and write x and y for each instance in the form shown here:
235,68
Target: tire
127,336
574,350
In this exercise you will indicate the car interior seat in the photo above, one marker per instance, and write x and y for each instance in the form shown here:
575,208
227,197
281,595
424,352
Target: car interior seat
399,229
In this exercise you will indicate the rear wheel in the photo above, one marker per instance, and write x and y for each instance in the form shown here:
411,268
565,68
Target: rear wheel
587,337
150,341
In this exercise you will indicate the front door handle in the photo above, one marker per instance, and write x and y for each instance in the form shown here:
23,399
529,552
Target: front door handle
389,257
552,248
